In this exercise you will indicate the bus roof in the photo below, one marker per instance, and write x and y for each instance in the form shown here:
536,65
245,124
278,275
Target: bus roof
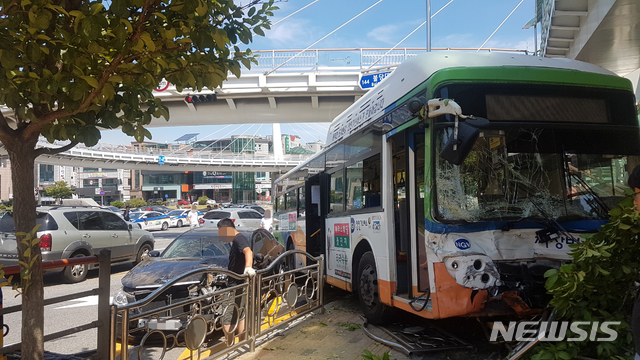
417,70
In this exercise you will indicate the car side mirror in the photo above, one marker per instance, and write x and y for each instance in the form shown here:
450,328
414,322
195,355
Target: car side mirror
130,226
154,253
457,149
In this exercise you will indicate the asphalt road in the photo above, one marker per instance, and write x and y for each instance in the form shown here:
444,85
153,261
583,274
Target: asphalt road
73,313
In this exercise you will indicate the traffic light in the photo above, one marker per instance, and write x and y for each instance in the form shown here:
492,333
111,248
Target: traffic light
191,100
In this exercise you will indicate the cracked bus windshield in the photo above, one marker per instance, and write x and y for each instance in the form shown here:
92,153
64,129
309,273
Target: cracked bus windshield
517,173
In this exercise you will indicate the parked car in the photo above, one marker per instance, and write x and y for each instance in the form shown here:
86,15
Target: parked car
211,202
159,208
256,208
197,248
111,208
180,217
72,231
242,218
149,220
183,202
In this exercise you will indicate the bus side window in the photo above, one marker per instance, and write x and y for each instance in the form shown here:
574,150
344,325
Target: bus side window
371,187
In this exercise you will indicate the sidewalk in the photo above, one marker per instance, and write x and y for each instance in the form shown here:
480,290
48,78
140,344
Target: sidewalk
337,334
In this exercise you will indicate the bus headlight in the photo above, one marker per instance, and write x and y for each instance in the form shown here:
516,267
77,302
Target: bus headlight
476,272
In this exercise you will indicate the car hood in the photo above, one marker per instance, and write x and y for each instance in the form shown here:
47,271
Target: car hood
154,272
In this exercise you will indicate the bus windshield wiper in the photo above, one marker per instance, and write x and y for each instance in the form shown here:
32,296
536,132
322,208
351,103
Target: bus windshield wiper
599,206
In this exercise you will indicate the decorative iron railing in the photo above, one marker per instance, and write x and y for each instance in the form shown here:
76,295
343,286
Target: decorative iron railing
212,311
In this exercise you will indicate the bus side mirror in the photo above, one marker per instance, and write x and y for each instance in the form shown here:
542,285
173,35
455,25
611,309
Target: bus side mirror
468,132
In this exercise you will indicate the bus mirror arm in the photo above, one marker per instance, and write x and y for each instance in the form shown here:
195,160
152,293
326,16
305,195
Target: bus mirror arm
458,146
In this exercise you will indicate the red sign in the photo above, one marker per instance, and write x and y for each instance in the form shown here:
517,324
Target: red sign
292,217
162,86
341,229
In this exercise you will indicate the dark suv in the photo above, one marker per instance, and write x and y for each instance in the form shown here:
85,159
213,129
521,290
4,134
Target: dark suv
72,231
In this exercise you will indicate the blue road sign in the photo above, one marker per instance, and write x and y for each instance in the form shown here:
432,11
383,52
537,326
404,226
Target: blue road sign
369,81
166,195
101,193
160,160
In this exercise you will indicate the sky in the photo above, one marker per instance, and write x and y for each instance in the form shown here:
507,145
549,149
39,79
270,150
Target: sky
461,24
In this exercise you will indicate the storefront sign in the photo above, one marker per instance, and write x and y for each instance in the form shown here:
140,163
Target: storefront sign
212,186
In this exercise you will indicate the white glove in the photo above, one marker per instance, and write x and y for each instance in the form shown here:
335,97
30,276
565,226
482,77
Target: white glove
249,271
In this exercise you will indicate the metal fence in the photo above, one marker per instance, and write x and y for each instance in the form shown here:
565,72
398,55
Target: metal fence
212,311
102,324
348,59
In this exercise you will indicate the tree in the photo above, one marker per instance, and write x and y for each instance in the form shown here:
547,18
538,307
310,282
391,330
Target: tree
70,68
59,190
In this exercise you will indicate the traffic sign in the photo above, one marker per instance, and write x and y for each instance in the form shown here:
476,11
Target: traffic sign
160,160
101,192
371,80
166,195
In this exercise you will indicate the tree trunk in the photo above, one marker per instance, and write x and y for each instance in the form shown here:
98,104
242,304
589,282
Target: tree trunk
22,156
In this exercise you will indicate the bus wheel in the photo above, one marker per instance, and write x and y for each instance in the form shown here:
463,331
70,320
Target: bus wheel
374,310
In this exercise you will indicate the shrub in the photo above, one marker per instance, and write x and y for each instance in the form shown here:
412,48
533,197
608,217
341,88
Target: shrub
202,200
598,286
117,203
136,203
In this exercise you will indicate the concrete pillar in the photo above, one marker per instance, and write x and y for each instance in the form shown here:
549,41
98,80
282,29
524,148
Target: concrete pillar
277,143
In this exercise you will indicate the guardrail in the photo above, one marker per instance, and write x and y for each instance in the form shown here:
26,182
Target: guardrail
104,281
361,59
200,312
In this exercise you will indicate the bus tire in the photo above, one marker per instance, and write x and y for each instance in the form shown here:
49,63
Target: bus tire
368,294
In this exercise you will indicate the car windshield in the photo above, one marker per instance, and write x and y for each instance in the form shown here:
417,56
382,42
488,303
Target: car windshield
197,244
135,215
517,173
175,213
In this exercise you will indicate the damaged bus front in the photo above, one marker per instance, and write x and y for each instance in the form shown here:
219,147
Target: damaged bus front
544,171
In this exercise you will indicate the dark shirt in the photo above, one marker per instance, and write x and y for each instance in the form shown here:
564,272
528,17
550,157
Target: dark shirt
236,257
126,215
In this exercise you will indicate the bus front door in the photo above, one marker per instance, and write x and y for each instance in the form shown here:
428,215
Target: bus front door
408,149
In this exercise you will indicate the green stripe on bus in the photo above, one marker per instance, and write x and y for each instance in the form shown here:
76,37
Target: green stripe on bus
530,75
520,74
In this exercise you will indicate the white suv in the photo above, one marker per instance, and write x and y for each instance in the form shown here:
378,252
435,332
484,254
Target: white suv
242,218
72,231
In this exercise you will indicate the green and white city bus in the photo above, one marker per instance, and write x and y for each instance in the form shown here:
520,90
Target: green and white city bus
453,185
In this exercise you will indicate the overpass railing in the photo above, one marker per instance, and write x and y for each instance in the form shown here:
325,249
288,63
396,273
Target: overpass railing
199,312
347,59
149,154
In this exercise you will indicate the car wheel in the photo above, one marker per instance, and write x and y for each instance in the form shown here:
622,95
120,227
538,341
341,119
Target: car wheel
165,226
75,273
143,253
368,293
179,223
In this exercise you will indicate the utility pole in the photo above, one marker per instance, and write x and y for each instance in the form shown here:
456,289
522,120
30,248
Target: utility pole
428,25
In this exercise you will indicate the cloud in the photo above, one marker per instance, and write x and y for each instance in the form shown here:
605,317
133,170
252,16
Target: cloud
386,34
291,34
456,41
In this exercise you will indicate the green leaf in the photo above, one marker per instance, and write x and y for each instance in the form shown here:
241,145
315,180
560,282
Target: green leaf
91,81
147,41
551,280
